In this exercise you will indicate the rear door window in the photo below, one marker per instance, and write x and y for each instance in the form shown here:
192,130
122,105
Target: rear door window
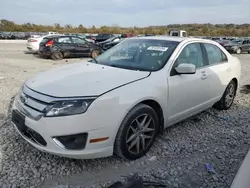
78,40
215,54
64,40
45,40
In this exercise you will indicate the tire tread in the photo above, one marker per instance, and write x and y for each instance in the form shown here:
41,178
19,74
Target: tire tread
117,145
221,105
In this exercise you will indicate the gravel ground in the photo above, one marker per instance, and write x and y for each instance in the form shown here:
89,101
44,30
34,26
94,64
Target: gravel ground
177,159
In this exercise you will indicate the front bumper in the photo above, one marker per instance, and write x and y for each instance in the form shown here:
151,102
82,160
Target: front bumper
49,128
230,50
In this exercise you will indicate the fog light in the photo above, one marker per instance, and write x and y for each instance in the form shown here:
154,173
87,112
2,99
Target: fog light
72,142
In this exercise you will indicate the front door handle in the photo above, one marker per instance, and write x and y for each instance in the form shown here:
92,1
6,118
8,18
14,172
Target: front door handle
229,70
203,75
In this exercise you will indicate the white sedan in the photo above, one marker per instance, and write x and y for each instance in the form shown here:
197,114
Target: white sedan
119,102
34,42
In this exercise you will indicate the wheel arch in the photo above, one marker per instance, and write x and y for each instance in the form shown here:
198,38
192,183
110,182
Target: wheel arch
236,82
158,109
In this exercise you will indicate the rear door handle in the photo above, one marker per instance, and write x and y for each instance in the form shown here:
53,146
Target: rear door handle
229,70
203,75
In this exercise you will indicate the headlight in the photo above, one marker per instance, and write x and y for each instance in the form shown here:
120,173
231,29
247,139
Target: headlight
66,108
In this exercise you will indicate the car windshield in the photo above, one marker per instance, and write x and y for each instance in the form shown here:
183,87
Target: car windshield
138,54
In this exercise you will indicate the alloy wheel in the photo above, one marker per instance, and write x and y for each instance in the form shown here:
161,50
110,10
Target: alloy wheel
230,95
140,133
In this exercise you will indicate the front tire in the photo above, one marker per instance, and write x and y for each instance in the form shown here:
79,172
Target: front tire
57,56
238,51
227,99
137,133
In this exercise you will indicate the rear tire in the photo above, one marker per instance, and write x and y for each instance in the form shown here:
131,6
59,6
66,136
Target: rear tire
238,51
227,99
95,53
137,133
57,56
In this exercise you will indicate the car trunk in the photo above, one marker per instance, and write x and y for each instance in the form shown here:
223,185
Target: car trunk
44,41
43,46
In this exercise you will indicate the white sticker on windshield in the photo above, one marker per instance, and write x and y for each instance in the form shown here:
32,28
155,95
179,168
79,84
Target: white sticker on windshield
158,48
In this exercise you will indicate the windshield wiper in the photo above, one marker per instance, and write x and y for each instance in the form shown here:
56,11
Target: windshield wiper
95,60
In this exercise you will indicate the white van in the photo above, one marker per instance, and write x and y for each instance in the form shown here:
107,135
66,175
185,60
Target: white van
177,33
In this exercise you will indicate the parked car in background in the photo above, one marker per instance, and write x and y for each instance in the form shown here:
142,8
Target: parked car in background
102,37
90,37
177,33
238,46
127,35
5,35
27,35
86,109
112,39
34,42
82,36
223,42
19,35
51,33
111,44
1,35
59,47
35,35
216,38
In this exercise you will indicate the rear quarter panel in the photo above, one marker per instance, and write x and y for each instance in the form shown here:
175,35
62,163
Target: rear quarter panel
235,68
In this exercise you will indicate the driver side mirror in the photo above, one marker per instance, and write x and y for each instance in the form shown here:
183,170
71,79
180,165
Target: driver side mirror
185,69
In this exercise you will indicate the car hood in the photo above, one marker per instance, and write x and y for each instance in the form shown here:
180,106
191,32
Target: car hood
82,79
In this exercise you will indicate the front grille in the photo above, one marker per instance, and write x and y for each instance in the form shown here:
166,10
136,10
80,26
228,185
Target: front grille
19,120
35,137
33,103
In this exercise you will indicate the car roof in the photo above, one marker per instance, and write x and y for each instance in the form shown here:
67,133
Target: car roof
172,38
56,36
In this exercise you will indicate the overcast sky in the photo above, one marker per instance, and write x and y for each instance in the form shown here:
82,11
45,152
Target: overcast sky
125,12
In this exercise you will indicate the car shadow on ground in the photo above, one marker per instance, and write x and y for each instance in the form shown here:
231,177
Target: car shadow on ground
221,139
29,52
64,59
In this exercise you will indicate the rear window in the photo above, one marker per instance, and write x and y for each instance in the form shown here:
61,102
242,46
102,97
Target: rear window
45,40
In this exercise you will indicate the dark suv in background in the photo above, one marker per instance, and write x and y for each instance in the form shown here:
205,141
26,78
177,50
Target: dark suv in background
59,47
238,46
102,37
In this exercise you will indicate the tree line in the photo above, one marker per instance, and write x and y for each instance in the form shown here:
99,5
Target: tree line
192,29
